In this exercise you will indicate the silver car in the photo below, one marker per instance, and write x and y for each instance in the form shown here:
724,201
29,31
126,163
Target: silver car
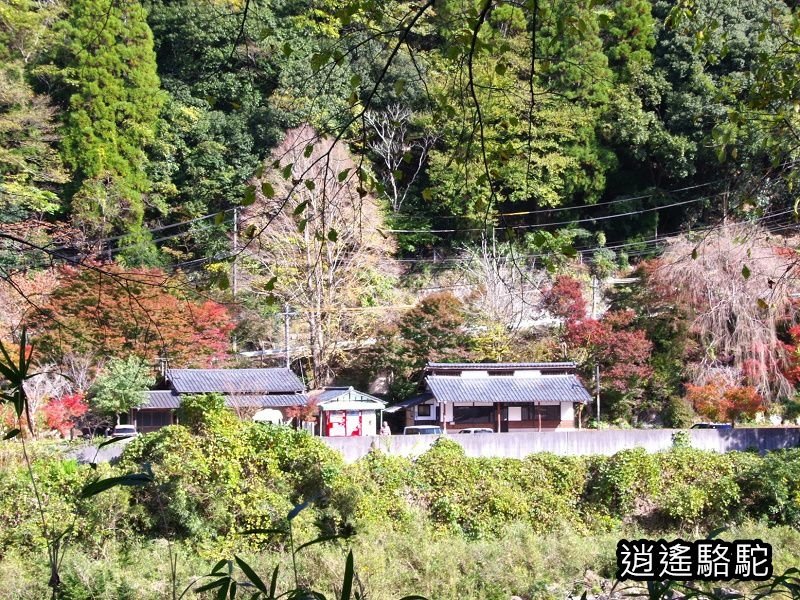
125,431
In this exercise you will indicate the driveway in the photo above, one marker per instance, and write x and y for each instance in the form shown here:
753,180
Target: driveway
90,453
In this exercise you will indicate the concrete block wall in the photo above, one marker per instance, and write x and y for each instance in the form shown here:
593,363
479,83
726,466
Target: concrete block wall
574,442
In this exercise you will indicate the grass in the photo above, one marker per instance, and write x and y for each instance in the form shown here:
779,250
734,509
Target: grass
389,564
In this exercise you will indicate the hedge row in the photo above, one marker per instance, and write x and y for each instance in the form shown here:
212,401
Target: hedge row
221,477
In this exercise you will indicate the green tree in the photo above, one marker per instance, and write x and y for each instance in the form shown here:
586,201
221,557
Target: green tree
517,134
108,69
121,386
432,330
31,172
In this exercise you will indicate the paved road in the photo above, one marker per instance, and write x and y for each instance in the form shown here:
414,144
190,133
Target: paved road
107,453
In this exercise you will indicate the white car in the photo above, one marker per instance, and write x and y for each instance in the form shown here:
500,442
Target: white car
477,430
125,431
422,430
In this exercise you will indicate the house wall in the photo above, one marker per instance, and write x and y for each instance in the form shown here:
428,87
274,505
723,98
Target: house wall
515,421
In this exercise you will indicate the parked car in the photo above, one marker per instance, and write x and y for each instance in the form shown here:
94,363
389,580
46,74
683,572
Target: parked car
125,431
712,426
422,430
477,430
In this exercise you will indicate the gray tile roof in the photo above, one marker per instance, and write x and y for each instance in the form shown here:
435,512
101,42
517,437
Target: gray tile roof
546,388
412,401
331,393
164,399
500,366
237,381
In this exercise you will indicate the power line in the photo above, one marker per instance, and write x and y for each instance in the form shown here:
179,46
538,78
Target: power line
545,225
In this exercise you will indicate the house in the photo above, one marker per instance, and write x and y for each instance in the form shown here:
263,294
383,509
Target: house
501,396
246,391
344,411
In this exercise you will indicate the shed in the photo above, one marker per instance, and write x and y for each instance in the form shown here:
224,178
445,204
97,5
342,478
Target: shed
345,411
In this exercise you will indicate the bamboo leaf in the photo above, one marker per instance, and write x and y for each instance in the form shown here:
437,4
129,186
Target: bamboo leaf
218,568
347,583
251,574
101,485
210,586
297,510
273,584
11,434
113,440
320,540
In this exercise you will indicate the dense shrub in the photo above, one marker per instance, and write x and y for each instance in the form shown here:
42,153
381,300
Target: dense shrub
770,487
379,489
697,487
228,476
621,482
225,476
90,522
483,496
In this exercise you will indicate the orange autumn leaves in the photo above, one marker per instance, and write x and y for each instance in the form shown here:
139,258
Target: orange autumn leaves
720,401
109,310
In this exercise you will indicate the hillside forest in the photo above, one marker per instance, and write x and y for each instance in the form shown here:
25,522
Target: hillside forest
374,185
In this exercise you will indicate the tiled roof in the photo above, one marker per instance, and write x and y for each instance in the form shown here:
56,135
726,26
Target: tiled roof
164,399
235,381
499,366
329,394
547,388
409,402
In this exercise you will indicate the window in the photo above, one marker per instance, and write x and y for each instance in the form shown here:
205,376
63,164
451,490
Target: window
547,412
423,410
151,418
473,414
500,373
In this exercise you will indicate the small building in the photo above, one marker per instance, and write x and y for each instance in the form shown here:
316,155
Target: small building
500,396
246,391
344,411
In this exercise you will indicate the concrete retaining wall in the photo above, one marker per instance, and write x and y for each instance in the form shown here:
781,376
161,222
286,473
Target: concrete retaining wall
565,443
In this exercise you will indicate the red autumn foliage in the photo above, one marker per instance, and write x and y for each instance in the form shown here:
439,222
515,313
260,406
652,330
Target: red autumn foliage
565,299
721,402
60,413
105,310
792,352
622,353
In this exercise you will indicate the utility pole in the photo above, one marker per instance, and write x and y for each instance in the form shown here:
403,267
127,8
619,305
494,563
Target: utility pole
597,392
595,293
235,251
286,316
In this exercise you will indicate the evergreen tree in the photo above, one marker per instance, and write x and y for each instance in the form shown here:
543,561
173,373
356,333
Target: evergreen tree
109,68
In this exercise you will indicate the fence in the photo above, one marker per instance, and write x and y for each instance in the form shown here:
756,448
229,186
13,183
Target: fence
574,442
